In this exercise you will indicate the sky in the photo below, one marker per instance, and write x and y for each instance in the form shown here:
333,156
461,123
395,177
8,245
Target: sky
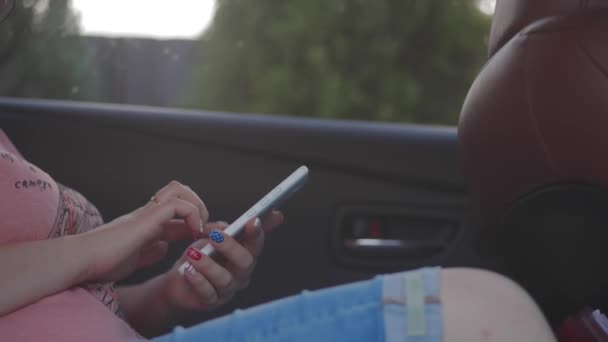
184,19
487,6
145,18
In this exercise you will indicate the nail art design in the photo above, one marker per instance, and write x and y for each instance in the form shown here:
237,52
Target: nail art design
192,271
194,254
216,236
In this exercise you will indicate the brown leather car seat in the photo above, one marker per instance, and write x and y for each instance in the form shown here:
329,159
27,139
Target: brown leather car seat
534,146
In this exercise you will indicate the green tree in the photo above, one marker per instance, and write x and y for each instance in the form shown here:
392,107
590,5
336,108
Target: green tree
390,60
41,54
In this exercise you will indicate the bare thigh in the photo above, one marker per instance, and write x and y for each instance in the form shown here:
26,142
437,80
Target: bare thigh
484,306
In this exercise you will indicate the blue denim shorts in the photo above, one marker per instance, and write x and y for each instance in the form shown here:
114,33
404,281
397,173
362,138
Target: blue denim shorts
396,307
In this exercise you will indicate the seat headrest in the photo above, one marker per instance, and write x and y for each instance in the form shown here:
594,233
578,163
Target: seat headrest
537,112
511,16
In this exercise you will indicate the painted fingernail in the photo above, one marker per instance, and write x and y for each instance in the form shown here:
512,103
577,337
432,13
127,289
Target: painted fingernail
190,269
193,254
216,236
257,223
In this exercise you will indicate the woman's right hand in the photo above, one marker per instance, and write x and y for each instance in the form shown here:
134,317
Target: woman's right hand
116,249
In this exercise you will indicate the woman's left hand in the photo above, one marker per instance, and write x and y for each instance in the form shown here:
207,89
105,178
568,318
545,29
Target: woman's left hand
212,283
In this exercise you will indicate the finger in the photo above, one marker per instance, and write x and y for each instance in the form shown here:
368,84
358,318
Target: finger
240,259
219,225
253,240
153,254
176,189
201,286
272,220
218,276
165,211
175,230
197,245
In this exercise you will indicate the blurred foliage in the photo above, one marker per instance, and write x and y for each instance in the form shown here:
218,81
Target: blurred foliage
389,60
41,54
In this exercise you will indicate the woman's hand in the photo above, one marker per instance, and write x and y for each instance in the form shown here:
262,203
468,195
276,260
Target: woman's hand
211,283
140,238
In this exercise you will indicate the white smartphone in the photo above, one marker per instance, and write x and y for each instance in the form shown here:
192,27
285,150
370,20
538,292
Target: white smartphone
273,200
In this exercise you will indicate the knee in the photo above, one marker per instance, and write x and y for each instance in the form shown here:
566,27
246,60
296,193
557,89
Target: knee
485,306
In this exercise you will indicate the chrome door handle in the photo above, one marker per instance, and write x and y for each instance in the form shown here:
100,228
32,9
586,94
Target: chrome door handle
393,246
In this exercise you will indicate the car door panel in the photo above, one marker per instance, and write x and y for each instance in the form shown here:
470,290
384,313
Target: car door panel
118,156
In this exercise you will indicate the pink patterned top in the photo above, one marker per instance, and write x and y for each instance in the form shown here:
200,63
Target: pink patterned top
34,207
